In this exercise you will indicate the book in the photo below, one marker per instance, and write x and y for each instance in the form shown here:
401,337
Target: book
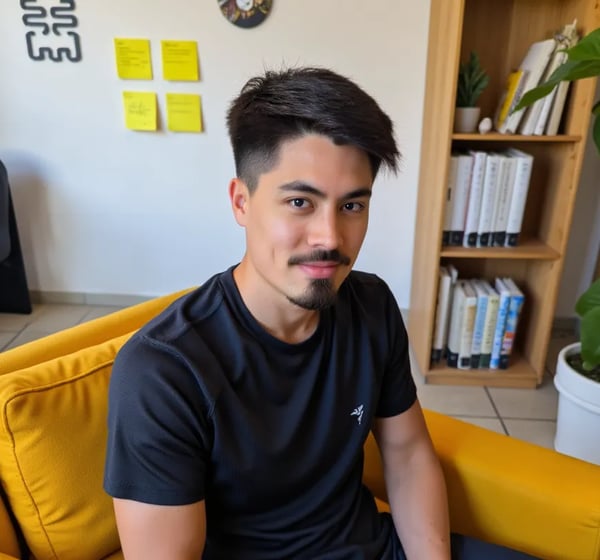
460,198
505,193
489,326
474,204
533,112
524,166
503,173
448,210
447,278
488,197
562,89
515,306
504,294
512,93
564,40
461,325
535,62
481,309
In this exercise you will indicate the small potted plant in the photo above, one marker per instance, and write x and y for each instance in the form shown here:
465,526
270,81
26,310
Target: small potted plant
578,367
472,80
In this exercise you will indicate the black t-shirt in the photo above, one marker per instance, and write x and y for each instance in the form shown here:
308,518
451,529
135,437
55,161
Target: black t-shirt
204,404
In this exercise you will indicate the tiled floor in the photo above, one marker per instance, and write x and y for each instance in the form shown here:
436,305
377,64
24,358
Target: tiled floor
522,413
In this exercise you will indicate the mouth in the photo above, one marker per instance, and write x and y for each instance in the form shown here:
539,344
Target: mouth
319,270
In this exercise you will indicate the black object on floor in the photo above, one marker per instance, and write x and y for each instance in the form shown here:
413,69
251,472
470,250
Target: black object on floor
14,293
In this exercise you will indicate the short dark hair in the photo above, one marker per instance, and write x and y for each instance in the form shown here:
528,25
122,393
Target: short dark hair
287,104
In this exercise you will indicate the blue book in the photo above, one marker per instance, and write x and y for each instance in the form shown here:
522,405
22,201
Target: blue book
504,293
515,305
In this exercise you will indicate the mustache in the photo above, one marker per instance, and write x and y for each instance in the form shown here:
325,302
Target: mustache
320,256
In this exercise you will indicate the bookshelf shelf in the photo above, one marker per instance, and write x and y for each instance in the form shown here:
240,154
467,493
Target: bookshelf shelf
531,249
514,138
520,375
458,27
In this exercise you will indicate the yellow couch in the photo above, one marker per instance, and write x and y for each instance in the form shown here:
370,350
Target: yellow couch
53,395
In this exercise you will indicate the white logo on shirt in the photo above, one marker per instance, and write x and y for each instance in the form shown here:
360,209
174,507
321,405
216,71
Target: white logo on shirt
358,412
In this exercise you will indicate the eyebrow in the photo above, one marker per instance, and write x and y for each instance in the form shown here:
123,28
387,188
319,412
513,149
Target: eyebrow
299,186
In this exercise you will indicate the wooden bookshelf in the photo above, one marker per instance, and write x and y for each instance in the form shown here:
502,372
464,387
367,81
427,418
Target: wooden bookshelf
500,31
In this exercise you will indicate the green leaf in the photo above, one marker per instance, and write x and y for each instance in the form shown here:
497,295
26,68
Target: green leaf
530,97
588,47
596,108
590,339
589,300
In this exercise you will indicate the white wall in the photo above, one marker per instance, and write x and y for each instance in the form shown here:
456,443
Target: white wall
105,210
584,239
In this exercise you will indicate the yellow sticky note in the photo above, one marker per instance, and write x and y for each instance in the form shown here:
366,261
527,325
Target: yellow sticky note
184,112
140,110
180,60
133,59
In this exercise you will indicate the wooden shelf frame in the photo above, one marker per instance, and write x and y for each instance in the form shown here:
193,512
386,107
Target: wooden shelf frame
456,28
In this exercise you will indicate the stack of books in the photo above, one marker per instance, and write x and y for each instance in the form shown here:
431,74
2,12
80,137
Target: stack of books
540,61
475,323
485,198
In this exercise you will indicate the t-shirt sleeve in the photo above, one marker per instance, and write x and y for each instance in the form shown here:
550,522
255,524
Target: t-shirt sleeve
159,433
398,390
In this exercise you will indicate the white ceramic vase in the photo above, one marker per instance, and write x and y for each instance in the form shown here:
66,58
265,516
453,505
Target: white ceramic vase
466,119
578,418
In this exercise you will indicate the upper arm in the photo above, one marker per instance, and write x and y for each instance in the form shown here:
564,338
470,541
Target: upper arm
404,436
151,532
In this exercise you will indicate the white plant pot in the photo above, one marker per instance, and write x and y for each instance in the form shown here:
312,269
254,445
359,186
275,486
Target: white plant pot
466,119
578,418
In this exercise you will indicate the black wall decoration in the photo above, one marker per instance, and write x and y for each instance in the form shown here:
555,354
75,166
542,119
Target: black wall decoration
50,23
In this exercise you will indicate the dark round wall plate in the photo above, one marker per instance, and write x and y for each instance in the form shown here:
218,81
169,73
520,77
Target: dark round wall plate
245,13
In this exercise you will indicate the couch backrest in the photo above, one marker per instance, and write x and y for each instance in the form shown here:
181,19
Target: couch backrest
84,335
52,447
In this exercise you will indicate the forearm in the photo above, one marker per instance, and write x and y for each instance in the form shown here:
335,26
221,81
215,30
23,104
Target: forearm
418,500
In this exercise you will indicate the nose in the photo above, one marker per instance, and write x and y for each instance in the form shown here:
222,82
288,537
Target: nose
325,230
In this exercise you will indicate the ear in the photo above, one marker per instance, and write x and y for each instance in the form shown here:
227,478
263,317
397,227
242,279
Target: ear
239,196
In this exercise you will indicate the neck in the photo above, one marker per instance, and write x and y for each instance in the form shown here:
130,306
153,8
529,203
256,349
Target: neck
274,312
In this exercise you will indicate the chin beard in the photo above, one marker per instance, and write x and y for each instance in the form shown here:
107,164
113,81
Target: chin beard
319,295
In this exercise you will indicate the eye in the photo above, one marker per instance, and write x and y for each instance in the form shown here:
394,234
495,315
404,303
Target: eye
354,207
299,203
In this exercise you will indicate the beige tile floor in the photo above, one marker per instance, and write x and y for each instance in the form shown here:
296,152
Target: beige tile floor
521,413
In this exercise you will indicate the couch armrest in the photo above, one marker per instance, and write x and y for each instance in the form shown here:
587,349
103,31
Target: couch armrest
509,492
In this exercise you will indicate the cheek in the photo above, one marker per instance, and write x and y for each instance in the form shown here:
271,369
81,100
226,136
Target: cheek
284,234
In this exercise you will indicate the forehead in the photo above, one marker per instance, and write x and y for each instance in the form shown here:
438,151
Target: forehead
316,160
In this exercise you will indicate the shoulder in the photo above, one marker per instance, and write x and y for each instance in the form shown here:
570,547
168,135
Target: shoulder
368,289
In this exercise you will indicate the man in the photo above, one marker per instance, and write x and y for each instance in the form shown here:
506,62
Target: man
238,416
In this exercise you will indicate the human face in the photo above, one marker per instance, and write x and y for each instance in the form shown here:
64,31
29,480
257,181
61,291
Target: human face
305,221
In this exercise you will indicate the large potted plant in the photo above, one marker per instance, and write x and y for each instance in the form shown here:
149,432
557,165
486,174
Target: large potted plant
578,368
472,80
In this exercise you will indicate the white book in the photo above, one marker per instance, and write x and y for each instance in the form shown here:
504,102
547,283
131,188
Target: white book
535,62
447,278
467,326
475,195
532,113
505,193
491,316
443,299
524,165
503,173
560,95
504,294
455,328
482,302
452,169
488,197
461,198
565,39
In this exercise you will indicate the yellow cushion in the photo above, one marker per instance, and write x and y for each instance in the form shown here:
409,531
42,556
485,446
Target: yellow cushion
52,443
